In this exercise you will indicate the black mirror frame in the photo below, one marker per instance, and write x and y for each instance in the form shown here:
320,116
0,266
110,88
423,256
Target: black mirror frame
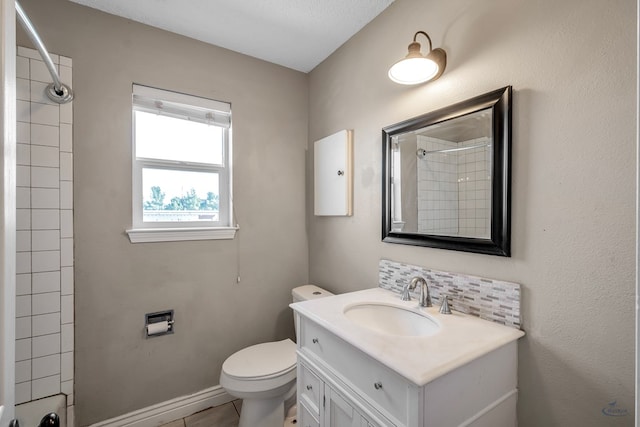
499,101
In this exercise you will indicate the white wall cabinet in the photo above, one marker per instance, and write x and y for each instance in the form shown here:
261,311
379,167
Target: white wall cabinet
341,386
333,174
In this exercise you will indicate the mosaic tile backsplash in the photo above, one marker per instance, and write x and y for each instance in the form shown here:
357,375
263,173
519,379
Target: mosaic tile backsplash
488,299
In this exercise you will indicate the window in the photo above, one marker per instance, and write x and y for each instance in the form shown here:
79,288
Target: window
181,167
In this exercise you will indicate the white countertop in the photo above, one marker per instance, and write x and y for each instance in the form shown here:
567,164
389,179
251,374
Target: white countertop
461,338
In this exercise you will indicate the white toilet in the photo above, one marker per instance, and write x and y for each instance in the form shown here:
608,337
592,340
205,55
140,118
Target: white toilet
264,375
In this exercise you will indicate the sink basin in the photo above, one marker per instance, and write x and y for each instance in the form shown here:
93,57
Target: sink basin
391,320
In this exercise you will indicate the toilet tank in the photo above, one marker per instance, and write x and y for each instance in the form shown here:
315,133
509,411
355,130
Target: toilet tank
305,293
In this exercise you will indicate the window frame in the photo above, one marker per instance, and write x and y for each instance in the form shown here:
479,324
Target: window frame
182,106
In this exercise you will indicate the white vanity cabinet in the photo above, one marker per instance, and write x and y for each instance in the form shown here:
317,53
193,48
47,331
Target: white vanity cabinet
321,405
340,385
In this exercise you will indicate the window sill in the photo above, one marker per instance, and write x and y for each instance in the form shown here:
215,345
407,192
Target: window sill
152,235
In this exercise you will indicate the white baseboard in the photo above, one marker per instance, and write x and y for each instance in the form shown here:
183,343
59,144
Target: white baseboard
170,410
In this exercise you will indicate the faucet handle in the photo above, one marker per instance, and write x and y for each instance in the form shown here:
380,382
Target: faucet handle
406,295
444,308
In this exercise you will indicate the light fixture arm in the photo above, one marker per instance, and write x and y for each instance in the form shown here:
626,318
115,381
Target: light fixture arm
415,36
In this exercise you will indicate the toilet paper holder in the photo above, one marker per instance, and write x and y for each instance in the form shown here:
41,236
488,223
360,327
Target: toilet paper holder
158,323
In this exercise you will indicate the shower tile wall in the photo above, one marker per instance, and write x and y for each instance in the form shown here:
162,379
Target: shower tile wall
453,188
437,188
474,188
44,282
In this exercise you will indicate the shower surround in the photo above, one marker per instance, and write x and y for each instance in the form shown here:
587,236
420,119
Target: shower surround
44,259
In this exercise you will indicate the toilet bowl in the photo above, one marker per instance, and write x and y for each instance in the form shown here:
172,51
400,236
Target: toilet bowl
261,375
264,375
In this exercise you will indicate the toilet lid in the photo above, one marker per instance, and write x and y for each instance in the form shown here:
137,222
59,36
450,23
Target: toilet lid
262,360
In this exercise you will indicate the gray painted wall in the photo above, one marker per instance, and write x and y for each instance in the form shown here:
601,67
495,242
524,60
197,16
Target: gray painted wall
116,282
409,173
572,66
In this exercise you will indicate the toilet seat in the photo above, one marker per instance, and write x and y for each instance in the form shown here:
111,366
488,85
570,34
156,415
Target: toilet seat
262,361
262,369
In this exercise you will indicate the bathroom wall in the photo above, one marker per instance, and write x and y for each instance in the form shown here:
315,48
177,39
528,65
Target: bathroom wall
116,282
44,235
572,65
406,162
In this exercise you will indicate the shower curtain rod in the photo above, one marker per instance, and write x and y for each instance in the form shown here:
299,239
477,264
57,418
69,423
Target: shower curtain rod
57,91
422,152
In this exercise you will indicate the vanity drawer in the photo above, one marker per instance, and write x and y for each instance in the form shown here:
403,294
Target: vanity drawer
309,388
382,388
305,418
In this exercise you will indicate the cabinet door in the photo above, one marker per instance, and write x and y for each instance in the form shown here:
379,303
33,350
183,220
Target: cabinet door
339,412
333,175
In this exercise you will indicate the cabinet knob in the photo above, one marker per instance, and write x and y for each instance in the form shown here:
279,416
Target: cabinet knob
377,385
309,387
315,340
340,173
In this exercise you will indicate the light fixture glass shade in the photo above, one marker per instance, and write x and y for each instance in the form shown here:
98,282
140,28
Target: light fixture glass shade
416,68
411,71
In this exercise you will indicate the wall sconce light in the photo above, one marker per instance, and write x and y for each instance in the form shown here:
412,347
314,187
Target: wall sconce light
416,68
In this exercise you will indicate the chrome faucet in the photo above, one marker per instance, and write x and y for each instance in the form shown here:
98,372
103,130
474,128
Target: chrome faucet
425,296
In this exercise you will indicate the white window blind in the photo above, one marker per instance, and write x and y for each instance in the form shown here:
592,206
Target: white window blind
178,105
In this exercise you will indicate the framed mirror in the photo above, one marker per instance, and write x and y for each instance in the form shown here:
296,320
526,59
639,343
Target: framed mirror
446,178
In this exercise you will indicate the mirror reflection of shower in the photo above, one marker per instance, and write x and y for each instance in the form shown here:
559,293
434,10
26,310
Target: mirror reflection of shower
441,178
57,91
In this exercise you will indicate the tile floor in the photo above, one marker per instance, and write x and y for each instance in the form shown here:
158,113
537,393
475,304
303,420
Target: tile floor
226,415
